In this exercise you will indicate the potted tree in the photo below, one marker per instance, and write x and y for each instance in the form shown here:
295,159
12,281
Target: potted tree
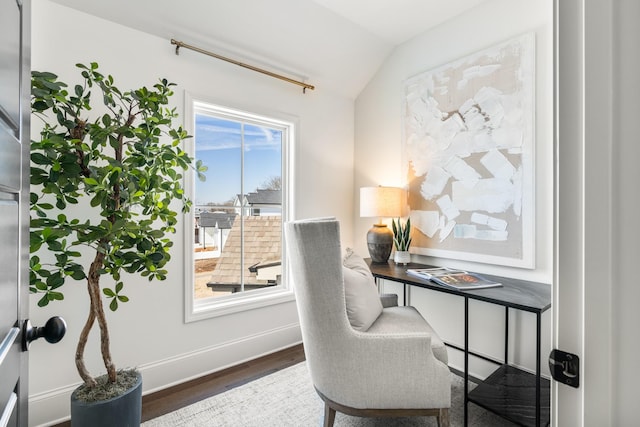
102,203
401,241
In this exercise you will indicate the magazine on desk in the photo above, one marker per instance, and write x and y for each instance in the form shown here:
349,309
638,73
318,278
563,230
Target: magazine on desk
451,278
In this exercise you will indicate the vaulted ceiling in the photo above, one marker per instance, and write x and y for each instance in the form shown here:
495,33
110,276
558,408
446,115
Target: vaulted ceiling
336,45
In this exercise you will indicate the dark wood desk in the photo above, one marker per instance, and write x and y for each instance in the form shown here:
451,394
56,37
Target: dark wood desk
510,392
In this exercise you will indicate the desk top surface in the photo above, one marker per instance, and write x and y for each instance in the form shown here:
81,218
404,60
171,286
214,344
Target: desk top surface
521,294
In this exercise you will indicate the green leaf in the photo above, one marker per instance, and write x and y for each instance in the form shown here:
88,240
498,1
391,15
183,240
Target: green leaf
43,301
97,200
156,257
78,275
55,281
39,159
57,296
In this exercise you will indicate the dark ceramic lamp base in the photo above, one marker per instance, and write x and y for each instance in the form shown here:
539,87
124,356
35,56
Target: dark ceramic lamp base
379,243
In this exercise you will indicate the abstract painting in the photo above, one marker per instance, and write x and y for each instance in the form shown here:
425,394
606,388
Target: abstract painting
468,144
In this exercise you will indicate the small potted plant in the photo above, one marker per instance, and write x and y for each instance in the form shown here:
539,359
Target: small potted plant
102,203
401,241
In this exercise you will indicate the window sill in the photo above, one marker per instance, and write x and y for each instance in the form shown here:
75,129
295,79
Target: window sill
208,308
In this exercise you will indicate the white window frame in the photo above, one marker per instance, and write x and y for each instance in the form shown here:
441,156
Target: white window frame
206,308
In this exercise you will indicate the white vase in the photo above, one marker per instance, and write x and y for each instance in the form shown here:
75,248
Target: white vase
402,257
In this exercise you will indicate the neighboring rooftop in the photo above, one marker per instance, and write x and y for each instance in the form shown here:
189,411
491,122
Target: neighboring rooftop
263,197
221,220
262,245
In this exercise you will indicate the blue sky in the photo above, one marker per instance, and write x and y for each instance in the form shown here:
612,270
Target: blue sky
218,145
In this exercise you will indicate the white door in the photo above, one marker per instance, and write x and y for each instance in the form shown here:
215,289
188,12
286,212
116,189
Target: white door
14,228
15,110
597,204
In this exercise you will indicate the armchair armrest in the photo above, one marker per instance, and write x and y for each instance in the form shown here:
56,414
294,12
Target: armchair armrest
389,300
376,362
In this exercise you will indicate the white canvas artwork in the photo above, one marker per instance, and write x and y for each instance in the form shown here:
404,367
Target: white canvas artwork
468,136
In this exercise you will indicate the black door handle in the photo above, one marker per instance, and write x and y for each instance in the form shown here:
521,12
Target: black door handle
52,331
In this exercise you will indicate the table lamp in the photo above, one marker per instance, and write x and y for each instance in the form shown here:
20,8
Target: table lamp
380,202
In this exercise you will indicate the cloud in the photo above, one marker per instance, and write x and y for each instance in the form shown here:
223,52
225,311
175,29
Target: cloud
210,138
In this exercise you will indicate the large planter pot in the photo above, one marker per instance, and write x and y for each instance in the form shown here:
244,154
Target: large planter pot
122,411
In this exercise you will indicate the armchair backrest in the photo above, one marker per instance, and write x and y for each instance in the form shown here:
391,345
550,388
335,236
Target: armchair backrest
315,259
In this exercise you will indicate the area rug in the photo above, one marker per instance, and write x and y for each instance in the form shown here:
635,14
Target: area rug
286,398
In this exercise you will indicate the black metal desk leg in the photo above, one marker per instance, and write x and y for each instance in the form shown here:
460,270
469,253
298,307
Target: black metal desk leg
466,360
538,345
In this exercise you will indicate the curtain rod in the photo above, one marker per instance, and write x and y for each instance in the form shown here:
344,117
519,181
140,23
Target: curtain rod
304,85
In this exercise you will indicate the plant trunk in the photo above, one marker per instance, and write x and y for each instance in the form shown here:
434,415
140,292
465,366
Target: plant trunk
96,312
89,381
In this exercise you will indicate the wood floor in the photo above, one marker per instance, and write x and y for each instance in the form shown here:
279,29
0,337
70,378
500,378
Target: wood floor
176,397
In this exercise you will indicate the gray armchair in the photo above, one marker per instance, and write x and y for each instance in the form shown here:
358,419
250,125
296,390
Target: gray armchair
396,367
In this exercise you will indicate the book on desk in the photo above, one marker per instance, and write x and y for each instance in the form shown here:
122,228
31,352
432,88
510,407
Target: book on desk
457,279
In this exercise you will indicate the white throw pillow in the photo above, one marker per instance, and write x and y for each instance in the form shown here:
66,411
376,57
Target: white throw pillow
356,262
360,291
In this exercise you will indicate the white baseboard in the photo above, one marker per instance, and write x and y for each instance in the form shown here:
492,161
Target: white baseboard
52,407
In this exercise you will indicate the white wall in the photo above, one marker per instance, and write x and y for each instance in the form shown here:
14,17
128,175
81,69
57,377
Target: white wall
149,332
378,157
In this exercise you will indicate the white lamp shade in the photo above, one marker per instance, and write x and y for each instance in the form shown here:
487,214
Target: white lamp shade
382,201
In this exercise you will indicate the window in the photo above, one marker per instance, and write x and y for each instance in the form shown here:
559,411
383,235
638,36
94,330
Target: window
234,245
